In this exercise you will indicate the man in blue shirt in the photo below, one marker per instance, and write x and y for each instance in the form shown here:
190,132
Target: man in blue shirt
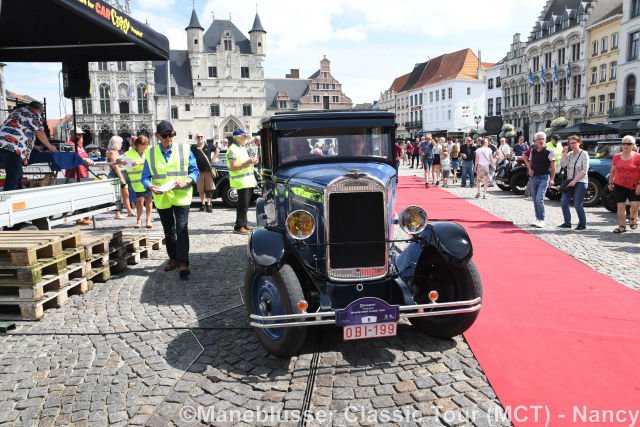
165,167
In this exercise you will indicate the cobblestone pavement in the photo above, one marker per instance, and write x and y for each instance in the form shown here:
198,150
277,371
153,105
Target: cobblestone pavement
615,255
148,349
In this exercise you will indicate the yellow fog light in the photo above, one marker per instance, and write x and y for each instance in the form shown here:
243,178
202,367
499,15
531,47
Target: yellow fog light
413,219
300,224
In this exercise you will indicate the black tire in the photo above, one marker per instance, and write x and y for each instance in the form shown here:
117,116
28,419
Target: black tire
503,187
518,182
25,226
286,285
593,194
453,284
229,195
608,201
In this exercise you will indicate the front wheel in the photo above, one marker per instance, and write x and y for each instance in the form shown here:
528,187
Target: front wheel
503,187
453,284
275,295
608,201
229,195
518,182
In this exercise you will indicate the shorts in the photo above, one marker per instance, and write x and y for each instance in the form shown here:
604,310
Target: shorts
427,161
621,194
455,164
436,159
205,182
483,171
143,193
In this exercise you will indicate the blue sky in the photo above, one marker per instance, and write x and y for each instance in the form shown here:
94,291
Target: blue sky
369,42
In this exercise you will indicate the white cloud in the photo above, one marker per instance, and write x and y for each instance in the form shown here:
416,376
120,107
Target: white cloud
370,42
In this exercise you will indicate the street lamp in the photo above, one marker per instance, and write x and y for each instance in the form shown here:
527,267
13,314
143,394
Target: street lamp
477,119
559,104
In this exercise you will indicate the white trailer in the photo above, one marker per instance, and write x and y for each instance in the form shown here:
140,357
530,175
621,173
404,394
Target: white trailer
45,207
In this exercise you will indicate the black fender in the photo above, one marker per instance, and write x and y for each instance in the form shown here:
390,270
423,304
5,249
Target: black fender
266,250
449,239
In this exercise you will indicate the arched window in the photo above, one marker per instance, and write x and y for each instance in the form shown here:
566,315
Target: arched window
105,103
143,93
229,127
630,96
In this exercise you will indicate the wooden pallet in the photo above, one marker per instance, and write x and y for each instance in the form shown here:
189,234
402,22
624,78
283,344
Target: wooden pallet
155,242
97,262
100,275
134,258
26,248
34,292
11,275
118,265
96,244
18,309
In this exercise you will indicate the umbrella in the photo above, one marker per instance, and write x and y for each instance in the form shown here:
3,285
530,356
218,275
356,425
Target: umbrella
586,128
625,125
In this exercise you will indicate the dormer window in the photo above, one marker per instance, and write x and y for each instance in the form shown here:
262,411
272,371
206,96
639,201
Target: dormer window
565,23
227,45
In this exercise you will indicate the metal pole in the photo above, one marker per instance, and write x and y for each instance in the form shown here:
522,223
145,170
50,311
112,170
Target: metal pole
169,90
73,132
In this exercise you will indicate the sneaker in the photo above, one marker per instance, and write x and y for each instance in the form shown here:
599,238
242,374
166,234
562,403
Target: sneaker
437,182
209,209
580,227
538,223
484,196
564,225
201,208
478,196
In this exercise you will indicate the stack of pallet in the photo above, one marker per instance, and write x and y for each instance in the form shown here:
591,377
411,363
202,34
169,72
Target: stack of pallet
39,270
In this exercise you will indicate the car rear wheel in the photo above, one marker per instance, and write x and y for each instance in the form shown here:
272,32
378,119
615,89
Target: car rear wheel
518,182
274,295
608,201
503,187
229,195
594,193
452,283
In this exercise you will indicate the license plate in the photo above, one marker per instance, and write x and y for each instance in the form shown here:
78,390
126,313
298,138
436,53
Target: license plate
372,330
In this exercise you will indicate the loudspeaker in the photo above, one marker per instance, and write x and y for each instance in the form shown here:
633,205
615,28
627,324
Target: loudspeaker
75,79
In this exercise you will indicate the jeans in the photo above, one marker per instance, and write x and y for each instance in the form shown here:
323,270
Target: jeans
468,168
539,184
244,198
578,193
175,222
13,168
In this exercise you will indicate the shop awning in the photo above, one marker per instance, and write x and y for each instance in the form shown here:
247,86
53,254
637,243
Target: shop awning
586,128
78,30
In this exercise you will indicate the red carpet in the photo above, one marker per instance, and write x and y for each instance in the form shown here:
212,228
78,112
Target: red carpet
552,331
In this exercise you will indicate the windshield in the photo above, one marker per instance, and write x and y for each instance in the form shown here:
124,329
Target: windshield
310,144
604,150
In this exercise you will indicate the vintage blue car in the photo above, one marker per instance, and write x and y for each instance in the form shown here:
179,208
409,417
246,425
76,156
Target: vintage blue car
324,252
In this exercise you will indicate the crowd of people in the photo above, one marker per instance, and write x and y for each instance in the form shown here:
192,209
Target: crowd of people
441,159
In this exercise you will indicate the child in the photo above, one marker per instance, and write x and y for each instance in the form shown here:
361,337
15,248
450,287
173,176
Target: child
445,162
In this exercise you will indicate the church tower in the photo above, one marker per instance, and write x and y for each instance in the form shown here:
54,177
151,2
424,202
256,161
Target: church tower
258,37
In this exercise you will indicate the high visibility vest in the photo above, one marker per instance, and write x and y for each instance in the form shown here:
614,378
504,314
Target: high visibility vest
176,169
557,151
135,173
243,178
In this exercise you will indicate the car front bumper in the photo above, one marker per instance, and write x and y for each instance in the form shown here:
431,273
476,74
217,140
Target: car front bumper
329,317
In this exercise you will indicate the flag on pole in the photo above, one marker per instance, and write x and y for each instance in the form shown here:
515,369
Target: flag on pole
568,70
542,79
555,74
530,77
129,91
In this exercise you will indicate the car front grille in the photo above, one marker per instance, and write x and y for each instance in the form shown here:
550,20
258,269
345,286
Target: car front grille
357,230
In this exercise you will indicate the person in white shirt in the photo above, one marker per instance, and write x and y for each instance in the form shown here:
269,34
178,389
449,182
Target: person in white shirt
484,159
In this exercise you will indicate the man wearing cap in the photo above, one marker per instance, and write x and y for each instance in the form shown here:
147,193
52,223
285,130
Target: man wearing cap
241,178
17,136
168,172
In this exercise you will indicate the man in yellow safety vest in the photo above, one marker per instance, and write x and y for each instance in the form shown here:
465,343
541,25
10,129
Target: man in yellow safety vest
241,178
168,172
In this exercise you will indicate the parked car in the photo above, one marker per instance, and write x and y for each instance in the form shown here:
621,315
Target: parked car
324,250
600,155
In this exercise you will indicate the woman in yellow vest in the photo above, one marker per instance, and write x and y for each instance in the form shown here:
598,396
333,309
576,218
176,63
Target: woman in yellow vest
143,195
168,172
241,178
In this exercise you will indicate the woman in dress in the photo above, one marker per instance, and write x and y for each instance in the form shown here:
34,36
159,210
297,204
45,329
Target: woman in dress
113,156
624,181
577,163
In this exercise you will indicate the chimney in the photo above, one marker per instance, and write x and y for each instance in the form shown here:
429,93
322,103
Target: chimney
294,74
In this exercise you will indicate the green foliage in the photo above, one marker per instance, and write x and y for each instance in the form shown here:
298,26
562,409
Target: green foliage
559,123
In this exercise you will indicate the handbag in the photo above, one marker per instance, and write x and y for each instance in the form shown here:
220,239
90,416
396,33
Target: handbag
214,172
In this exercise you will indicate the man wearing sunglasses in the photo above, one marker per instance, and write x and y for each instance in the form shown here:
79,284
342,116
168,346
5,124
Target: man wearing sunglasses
168,172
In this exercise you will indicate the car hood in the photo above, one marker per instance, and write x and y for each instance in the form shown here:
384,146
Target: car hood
319,176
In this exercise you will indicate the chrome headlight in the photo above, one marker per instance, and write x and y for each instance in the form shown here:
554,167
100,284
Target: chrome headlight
300,224
413,219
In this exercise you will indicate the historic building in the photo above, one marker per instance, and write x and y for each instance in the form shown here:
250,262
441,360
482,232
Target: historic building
445,94
217,84
628,91
320,91
388,101
493,98
3,96
604,43
515,88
